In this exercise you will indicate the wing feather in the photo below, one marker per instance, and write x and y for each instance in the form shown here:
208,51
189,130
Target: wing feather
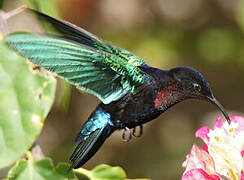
84,73
83,60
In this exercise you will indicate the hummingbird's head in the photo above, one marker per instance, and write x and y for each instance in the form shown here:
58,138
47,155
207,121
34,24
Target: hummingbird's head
194,85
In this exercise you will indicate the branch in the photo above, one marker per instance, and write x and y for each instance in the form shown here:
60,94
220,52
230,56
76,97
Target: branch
36,152
4,16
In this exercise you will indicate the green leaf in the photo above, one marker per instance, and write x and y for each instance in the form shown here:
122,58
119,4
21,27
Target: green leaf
1,4
65,95
45,6
39,170
108,172
26,99
103,172
62,169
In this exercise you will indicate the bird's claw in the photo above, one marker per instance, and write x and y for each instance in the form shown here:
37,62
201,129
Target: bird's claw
126,136
135,130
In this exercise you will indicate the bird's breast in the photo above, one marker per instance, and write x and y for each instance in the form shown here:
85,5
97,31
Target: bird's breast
134,110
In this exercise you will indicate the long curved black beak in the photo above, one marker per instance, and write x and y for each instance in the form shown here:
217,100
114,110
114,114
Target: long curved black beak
214,101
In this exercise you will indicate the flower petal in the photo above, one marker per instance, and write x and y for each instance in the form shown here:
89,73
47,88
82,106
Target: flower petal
218,123
199,174
199,158
205,147
240,121
203,133
222,154
242,176
242,153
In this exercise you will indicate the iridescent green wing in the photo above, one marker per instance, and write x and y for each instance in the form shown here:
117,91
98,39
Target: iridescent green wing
77,34
84,61
121,61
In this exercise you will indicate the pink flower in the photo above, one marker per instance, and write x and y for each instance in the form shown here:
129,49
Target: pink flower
222,155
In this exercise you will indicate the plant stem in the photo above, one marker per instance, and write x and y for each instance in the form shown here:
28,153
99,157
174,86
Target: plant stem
4,16
36,152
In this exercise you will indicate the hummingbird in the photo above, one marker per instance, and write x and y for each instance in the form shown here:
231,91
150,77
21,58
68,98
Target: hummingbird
131,92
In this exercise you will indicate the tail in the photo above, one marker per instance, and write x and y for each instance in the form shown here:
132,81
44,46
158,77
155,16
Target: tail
91,137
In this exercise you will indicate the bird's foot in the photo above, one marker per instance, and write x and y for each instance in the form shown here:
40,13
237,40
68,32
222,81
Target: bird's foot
126,136
134,132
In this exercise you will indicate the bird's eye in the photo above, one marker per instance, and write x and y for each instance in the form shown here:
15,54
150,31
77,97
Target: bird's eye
187,85
197,87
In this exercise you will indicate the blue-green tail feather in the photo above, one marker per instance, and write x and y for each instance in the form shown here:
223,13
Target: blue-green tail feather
86,149
91,137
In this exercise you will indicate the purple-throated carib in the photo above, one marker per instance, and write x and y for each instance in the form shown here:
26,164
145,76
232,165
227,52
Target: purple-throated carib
132,92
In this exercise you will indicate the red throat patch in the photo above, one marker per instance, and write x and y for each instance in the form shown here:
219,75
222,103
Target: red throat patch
166,96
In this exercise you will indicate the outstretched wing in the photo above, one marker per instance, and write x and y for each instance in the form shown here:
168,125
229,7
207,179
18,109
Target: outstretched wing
83,60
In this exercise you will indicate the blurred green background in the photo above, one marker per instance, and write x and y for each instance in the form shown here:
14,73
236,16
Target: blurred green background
204,34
